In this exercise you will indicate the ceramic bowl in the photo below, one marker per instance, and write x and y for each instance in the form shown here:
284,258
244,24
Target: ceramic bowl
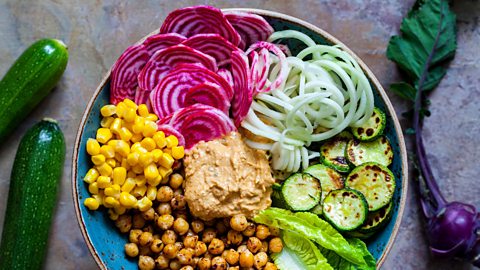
106,242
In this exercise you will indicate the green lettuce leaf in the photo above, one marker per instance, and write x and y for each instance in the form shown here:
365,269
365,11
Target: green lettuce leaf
339,263
299,253
428,40
312,227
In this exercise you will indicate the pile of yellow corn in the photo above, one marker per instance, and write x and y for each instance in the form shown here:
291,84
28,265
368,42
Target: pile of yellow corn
130,157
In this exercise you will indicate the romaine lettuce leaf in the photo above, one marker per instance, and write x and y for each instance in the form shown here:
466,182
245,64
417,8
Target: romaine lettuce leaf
299,253
310,226
338,263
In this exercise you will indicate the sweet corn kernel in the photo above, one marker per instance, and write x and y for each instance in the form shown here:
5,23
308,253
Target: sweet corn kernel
118,157
145,159
111,162
116,125
121,108
128,185
122,148
172,141
165,180
93,188
156,181
143,110
99,197
129,115
132,158
178,152
104,135
151,172
112,215
98,159
135,146
151,117
159,138
111,202
104,182
93,147
157,154
166,160
140,180
104,169
149,144
130,103
136,138
127,200
107,151
119,175
125,134
138,169
112,143
131,174
138,125
108,110
106,122
91,204
139,191
91,176
112,191
125,164
151,193
149,129
120,210
168,151
144,204
164,172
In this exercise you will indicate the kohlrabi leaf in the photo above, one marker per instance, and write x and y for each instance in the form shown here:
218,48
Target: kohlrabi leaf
427,41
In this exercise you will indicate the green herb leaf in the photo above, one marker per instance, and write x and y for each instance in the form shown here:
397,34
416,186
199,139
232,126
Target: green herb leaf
404,90
428,40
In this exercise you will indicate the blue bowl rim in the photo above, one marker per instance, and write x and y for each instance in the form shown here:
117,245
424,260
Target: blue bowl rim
293,20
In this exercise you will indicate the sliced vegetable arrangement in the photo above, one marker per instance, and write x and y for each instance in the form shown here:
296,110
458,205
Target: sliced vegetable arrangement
213,76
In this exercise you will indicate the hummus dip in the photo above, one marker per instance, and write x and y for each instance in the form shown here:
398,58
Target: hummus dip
224,177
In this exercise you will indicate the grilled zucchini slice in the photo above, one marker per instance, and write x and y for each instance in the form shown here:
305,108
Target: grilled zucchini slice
301,192
332,152
377,220
379,151
346,209
329,180
375,181
373,128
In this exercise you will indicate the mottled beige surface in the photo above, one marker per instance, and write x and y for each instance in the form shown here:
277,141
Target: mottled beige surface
98,31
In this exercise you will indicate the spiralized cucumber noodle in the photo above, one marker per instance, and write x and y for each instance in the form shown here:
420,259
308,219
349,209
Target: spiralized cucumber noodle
318,99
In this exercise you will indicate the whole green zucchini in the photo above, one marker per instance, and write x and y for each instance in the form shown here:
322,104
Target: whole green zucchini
34,183
29,80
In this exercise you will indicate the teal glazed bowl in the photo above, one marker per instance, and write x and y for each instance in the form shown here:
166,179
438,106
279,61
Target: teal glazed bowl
106,243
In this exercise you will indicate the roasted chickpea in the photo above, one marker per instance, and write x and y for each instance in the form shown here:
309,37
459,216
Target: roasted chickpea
157,245
232,256
179,245
181,214
138,222
250,230
274,231
131,249
162,262
149,214
144,251
275,245
221,228
124,223
164,194
165,222
169,237
178,191
181,226
200,248
210,222
164,208
146,263
149,228
185,256
270,266
157,236
234,237
134,235
178,202
208,235
170,251
234,268
262,232
219,263
254,244
175,265
176,180
242,248
145,239
204,264
197,226
187,267
190,241
246,259
239,223
216,246
260,260
264,247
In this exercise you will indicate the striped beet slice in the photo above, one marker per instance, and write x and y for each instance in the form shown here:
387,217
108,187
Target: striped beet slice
251,27
209,94
194,20
213,45
242,88
161,41
169,130
226,74
169,95
163,60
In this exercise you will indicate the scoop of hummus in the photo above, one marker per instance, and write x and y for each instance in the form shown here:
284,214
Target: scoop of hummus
224,177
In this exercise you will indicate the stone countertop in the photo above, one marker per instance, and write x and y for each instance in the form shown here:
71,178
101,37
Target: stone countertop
98,31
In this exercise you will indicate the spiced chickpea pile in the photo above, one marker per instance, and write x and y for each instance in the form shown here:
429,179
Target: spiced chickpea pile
166,236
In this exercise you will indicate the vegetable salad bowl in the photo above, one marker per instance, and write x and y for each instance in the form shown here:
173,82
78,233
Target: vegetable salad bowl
106,243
